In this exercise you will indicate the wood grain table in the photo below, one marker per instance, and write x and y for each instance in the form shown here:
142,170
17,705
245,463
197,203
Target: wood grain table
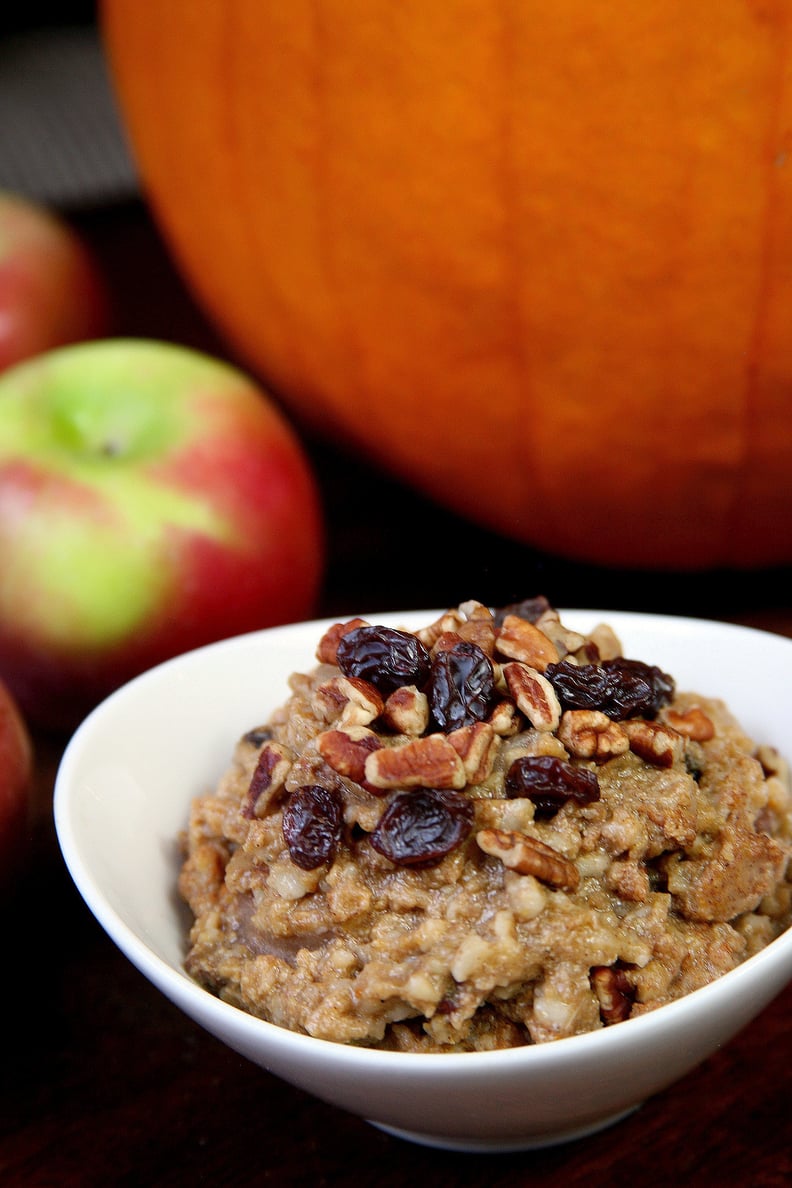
103,1082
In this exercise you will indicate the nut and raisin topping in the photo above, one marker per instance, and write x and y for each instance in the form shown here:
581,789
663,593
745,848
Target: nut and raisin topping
492,829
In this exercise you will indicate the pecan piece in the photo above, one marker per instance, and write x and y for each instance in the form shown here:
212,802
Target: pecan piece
450,621
476,745
590,734
354,701
693,723
406,711
269,776
654,742
520,640
534,695
614,991
429,762
565,640
346,751
529,856
328,644
505,719
478,627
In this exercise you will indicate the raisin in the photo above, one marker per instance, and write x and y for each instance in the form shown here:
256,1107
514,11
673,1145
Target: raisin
383,656
257,736
421,827
531,609
620,688
461,687
550,782
312,823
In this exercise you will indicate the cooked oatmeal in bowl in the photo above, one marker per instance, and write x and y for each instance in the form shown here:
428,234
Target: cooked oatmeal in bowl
486,832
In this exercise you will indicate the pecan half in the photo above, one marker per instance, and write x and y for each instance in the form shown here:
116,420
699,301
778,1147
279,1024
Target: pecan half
476,746
430,762
529,856
269,776
520,640
590,734
406,710
534,695
654,742
614,991
346,751
328,644
354,701
693,723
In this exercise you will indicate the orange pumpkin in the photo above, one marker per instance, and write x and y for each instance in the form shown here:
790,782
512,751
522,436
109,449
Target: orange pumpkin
535,258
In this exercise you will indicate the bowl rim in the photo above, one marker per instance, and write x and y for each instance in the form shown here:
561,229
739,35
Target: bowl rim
177,985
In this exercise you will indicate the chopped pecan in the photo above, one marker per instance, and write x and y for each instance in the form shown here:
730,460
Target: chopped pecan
606,641
328,644
354,701
269,776
479,627
654,742
476,745
693,723
529,856
430,762
773,764
346,751
614,991
590,734
407,710
452,620
446,642
520,640
505,719
472,610
565,639
534,695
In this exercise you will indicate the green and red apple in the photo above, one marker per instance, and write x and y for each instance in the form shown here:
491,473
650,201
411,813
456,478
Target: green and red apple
51,292
152,499
16,765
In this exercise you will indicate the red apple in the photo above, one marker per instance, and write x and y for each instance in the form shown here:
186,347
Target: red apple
51,292
151,499
16,762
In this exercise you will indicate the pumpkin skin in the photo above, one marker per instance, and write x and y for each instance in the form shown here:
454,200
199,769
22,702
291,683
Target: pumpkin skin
535,259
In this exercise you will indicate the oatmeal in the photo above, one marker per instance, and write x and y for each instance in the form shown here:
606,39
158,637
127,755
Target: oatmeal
489,832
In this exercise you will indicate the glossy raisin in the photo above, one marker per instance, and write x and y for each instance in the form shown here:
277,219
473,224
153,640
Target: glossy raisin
550,782
312,824
531,609
620,688
257,736
461,687
383,656
421,827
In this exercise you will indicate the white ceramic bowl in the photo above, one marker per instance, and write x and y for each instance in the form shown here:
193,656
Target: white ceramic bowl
122,796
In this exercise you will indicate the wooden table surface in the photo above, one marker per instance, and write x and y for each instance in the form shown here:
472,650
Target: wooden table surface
104,1082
